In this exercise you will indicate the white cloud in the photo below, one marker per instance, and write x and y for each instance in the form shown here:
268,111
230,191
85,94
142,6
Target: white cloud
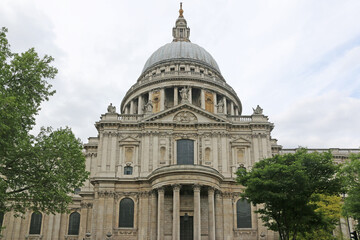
299,60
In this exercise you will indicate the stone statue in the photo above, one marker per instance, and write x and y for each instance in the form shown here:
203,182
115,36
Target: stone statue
220,106
184,93
258,110
111,108
148,107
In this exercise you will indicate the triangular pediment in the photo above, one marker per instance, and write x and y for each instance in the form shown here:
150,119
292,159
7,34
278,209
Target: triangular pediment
185,114
241,141
129,140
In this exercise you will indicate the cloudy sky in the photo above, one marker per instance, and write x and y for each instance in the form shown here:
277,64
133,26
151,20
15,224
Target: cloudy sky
299,60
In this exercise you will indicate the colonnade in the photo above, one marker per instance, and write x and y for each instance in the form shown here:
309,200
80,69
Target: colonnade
176,213
132,108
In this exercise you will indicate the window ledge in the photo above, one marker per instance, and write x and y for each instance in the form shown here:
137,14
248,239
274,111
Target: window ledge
34,237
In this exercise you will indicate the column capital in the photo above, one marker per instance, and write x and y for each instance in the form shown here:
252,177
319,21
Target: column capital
160,190
176,187
196,187
211,190
218,194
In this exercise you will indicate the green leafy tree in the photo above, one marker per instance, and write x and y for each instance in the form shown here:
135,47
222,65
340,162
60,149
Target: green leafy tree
351,173
286,186
36,172
329,207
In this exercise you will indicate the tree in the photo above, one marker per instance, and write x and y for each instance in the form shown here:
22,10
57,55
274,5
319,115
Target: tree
351,173
36,172
329,207
287,187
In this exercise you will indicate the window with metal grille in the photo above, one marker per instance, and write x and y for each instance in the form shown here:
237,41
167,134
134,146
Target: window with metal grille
35,223
243,214
185,152
128,170
74,223
126,215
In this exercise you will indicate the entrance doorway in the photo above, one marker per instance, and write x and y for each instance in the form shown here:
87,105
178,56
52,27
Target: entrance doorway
186,228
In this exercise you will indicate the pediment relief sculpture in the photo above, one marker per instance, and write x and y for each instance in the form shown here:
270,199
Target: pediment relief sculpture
185,117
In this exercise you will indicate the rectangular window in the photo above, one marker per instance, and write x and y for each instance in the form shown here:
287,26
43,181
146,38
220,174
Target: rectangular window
128,170
192,69
185,152
182,69
172,69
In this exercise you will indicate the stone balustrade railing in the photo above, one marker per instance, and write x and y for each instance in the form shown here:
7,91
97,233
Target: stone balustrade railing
335,151
137,117
130,117
235,118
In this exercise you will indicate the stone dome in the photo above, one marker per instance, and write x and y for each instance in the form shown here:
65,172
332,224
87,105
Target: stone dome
181,51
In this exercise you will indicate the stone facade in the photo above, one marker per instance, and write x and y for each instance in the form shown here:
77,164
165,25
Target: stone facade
180,95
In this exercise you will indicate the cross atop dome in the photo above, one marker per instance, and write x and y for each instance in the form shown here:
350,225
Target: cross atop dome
181,32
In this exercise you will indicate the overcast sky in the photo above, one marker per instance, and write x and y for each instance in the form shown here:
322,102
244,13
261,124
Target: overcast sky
298,60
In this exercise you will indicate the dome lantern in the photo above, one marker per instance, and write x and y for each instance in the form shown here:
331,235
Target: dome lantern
181,32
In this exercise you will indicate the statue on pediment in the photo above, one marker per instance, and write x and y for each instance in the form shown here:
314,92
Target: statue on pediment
148,107
111,108
220,106
258,110
184,93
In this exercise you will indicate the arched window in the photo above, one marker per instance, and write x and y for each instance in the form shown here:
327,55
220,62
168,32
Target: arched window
243,214
185,152
74,223
126,215
128,170
35,223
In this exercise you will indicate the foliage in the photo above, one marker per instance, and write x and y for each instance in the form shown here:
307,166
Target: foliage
351,172
287,187
36,172
329,207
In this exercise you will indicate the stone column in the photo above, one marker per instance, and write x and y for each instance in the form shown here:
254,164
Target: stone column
215,103
176,212
140,104
219,216
132,110
176,96
162,99
225,106
211,214
202,98
197,215
153,215
127,109
232,108
161,214
236,111
190,95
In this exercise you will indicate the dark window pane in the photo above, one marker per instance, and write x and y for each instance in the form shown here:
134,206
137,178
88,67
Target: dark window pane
128,170
35,224
243,213
74,223
126,215
1,219
185,152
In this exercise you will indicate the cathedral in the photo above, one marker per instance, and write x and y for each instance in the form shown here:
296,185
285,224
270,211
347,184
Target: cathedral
163,167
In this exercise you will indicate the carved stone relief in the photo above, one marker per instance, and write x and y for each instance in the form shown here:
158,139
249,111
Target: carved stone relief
185,117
